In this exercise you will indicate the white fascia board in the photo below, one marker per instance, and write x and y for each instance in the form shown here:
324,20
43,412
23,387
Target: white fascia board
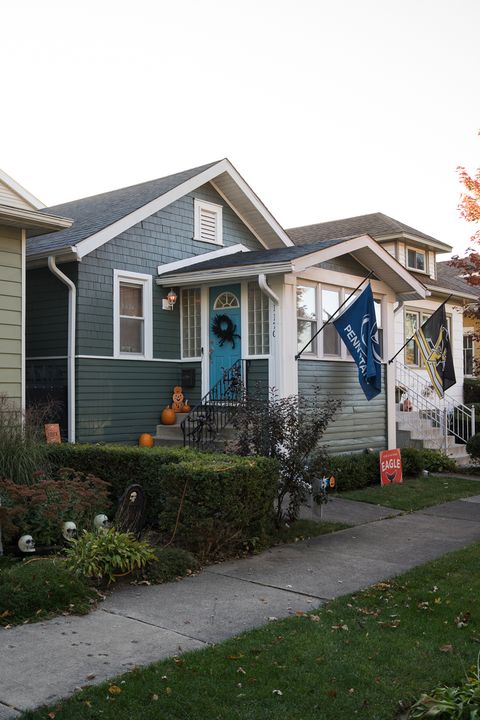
95,241
437,244
349,247
186,262
255,200
435,289
224,274
32,219
17,188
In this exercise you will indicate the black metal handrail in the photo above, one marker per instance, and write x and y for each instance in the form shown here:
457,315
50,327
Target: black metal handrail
216,409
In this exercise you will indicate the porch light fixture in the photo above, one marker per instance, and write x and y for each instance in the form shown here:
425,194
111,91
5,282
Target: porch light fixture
170,300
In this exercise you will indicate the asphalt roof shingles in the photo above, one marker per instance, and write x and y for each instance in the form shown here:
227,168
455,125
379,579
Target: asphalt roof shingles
92,214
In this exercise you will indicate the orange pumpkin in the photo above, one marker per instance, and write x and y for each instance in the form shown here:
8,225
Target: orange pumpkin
168,416
146,440
186,406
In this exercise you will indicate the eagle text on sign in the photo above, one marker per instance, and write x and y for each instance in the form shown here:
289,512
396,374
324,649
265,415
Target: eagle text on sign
390,467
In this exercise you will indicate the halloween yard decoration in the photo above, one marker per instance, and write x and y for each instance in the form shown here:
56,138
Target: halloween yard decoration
177,399
26,544
100,522
69,530
130,515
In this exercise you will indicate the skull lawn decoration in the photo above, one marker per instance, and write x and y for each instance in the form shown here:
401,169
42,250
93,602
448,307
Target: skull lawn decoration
26,544
100,522
69,531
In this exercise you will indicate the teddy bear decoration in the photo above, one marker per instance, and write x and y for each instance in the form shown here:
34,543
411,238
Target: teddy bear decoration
177,399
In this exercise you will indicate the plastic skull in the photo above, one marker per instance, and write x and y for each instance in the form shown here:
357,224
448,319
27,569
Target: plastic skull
69,530
26,544
133,496
100,522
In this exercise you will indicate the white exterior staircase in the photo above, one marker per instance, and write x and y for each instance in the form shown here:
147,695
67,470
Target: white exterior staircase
426,421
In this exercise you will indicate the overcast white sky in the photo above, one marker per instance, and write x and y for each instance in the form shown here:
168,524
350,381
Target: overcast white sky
328,108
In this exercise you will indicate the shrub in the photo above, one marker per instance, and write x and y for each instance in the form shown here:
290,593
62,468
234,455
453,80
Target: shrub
412,461
473,447
451,702
222,504
41,509
38,588
23,449
289,430
169,564
437,461
104,555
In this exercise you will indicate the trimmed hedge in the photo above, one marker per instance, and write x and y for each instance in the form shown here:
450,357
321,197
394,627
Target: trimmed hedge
353,472
228,501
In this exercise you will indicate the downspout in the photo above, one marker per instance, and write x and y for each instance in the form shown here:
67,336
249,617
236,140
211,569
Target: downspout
266,289
72,317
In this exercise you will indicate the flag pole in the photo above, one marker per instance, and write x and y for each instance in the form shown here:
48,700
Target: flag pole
332,316
411,338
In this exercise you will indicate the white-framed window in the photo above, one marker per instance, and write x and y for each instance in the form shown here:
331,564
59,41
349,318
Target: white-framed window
414,319
226,301
330,337
258,321
132,314
468,354
306,317
191,323
416,259
208,222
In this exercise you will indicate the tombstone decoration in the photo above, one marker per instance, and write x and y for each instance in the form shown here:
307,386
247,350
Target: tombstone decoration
130,515
178,400
69,530
100,522
26,544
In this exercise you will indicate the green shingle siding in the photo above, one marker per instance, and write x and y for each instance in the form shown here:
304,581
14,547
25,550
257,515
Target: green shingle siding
359,424
47,311
117,400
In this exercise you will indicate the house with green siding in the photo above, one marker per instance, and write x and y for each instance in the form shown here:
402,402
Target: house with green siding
19,212
176,281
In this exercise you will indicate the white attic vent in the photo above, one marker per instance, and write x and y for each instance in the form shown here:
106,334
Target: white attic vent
208,222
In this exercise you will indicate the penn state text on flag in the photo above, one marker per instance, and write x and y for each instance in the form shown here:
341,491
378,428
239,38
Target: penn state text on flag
357,326
433,342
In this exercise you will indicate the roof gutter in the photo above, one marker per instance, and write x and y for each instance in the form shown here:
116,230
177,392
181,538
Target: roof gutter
72,319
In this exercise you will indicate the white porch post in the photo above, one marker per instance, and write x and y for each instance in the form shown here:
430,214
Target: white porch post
287,324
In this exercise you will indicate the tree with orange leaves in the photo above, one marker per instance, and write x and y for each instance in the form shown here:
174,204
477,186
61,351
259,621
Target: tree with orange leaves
469,208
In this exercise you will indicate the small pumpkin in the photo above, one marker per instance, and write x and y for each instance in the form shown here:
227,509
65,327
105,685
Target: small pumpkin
186,406
168,416
146,440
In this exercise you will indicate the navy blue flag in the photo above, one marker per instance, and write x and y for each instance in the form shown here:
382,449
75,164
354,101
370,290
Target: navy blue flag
357,326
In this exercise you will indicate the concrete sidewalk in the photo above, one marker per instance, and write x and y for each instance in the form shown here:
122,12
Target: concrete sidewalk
138,625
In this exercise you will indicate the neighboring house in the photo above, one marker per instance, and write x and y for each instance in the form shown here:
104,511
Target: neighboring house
19,211
204,234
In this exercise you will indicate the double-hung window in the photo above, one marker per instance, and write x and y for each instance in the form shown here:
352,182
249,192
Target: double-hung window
132,302
331,339
306,317
468,354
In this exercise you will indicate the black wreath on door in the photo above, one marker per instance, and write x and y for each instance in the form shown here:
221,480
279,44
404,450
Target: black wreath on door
224,329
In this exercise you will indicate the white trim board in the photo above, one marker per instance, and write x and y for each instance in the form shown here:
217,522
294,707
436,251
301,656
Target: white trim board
21,191
195,259
144,281
88,245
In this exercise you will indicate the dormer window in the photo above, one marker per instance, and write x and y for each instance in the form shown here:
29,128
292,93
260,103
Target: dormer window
416,259
208,222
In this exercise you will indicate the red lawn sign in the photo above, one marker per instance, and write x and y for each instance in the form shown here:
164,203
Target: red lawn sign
390,467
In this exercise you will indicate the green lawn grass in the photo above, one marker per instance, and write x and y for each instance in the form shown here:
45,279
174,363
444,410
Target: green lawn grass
416,493
359,655
40,588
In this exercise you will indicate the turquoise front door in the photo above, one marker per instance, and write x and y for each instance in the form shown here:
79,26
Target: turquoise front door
225,330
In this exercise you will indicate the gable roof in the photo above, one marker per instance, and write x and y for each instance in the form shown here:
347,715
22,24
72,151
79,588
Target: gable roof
100,218
379,226
13,194
296,259
450,278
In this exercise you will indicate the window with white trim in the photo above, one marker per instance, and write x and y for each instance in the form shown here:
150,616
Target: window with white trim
191,323
414,319
331,338
306,317
416,259
208,222
258,321
132,303
468,354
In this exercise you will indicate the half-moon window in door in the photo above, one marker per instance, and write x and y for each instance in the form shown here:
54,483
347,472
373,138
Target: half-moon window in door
225,301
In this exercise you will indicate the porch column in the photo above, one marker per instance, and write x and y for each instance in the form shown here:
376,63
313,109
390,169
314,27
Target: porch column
388,323
287,344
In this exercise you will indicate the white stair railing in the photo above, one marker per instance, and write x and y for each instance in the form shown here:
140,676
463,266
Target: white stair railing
420,403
